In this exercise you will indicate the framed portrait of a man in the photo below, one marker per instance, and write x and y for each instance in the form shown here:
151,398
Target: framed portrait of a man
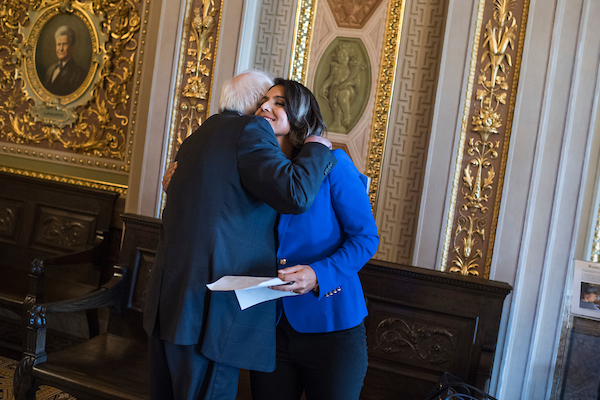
63,54
62,58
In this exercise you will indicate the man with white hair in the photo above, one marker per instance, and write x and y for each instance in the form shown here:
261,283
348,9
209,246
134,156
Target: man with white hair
66,75
222,203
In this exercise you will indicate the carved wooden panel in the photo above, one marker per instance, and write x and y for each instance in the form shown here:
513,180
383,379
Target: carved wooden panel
10,217
417,338
63,229
140,240
144,260
51,218
423,322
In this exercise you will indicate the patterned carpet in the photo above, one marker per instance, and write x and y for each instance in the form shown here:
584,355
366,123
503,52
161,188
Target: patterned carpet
7,368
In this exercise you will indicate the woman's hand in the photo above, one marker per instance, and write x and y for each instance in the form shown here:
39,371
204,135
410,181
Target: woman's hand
168,175
302,277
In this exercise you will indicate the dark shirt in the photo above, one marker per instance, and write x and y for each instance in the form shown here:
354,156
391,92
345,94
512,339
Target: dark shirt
70,77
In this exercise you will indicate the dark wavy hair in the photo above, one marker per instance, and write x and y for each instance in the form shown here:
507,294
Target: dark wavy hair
303,112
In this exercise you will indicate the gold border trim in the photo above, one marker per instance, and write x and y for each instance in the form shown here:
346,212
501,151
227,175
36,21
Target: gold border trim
178,80
305,18
385,85
90,183
214,67
136,92
509,121
61,157
463,135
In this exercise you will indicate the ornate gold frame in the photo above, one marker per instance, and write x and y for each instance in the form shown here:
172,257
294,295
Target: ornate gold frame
90,128
49,108
305,19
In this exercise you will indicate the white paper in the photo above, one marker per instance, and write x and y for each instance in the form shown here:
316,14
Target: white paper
250,290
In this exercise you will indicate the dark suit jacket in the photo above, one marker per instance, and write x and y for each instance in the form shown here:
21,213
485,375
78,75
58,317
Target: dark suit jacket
70,77
219,219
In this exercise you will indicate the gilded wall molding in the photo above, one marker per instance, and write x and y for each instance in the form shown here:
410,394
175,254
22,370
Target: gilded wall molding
191,101
305,18
595,256
110,187
89,128
385,84
484,137
89,119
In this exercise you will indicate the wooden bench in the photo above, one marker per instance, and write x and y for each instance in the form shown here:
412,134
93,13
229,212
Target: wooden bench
52,243
420,324
114,364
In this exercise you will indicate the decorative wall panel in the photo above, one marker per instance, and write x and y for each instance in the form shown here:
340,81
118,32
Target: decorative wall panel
275,28
194,70
75,105
485,136
359,69
413,103
10,216
62,230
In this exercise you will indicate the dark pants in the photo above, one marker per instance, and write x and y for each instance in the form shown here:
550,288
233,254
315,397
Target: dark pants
325,365
181,373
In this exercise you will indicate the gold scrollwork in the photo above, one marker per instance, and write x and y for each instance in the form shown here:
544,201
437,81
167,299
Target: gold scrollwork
305,16
385,84
91,119
479,174
196,90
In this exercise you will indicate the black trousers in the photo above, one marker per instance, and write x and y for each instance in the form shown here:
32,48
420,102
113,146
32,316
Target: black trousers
327,366
180,372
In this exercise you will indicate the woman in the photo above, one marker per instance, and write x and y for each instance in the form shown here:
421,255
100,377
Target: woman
321,341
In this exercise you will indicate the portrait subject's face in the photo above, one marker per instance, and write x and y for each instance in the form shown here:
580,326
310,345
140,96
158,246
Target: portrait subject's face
63,48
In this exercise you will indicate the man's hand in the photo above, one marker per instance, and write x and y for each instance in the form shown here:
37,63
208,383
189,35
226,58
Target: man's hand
168,175
318,139
302,277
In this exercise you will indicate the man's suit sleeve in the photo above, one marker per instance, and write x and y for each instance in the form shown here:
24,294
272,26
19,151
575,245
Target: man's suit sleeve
287,186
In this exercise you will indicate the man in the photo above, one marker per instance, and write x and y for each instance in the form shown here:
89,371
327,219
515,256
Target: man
66,75
588,297
222,203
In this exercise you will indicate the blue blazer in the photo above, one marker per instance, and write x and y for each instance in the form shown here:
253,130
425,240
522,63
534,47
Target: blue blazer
337,236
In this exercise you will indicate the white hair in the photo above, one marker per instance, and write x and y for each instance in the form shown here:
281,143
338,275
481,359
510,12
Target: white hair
65,30
243,92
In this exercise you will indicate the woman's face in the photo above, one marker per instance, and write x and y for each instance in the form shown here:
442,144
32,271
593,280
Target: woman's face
272,109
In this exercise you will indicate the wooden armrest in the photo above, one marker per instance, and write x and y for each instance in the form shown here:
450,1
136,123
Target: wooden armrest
95,255
110,294
106,296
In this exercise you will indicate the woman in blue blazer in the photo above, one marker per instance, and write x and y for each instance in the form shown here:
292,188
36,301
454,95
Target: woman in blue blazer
321,341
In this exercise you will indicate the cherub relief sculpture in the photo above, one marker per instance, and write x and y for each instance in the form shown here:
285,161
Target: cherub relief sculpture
341,85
